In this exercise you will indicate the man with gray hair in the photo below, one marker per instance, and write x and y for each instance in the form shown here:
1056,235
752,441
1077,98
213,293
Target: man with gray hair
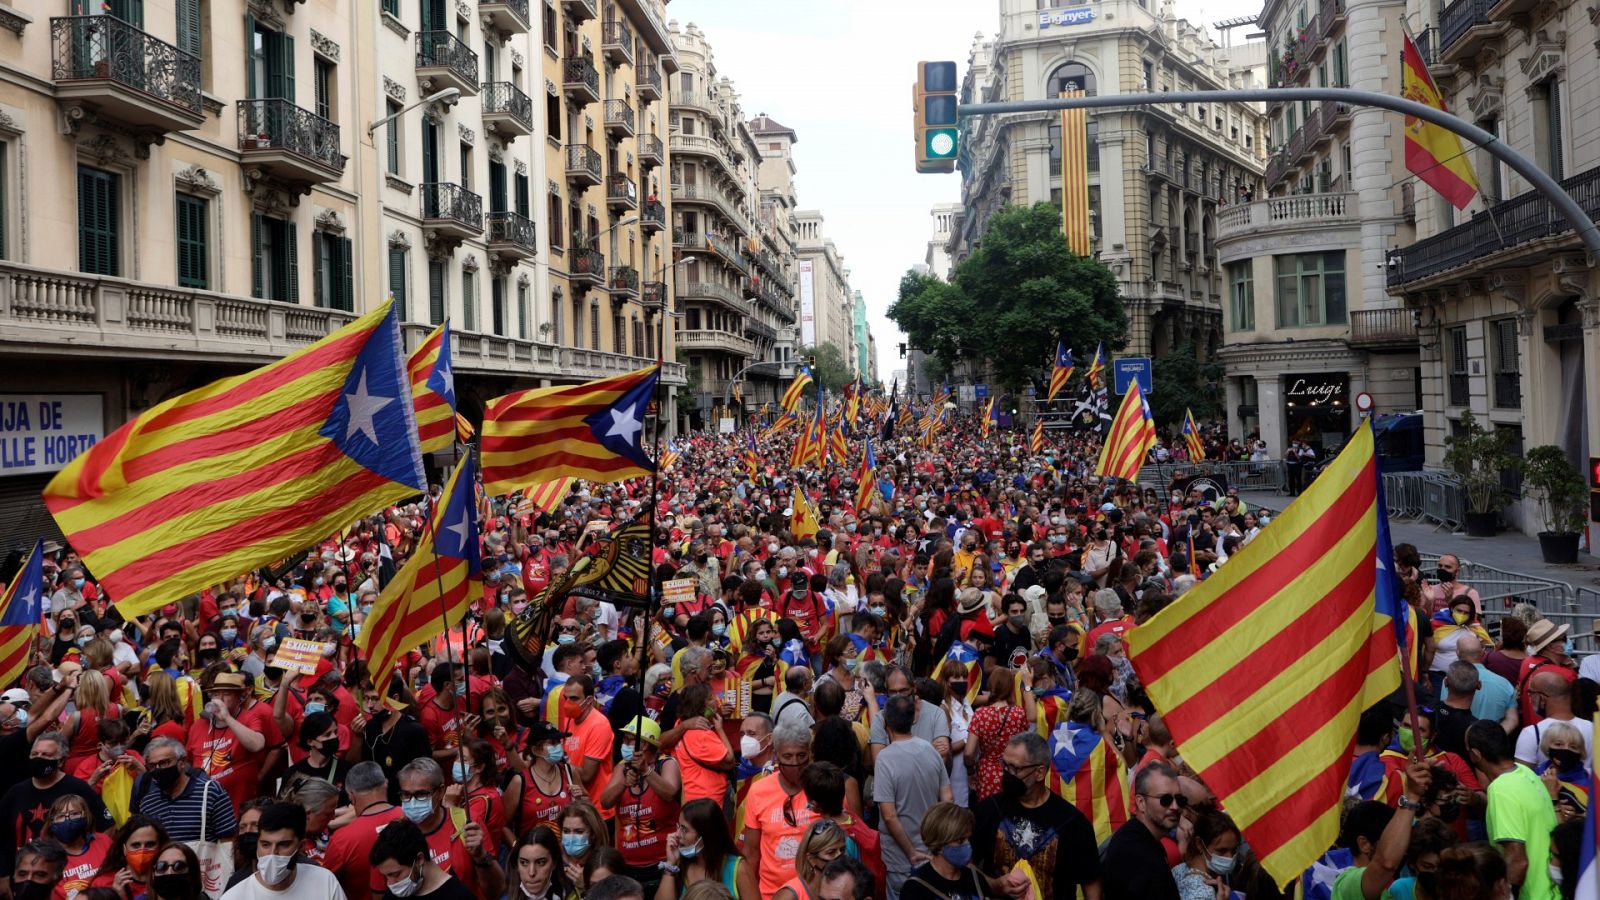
349,849
1108,612
1454,715
791,706
694,664
181,797
1027,820
1496,699
776,811
25,806
461,853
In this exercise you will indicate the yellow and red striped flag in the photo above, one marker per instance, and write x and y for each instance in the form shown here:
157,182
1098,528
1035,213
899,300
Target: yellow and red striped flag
464,429
1087,772
838,444
777,427
797,389
588,431
866,480
432,591
750,456
664,464
1191,437
1433,153
545,497
1262,671
1060,372
802,522
1097,366
852,401
1133,433
988,418
433,392
21,610
1036,441
245,471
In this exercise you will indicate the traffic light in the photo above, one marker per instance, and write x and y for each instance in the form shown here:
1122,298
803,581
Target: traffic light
934,111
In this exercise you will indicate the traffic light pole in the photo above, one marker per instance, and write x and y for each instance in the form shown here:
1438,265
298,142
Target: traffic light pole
1569,208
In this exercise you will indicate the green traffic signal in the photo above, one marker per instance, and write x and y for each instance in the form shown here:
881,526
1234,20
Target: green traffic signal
939,143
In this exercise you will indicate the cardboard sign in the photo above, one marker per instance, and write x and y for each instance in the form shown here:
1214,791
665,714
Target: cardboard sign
298,655
678,590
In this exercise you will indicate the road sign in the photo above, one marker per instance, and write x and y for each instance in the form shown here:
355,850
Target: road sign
965,393
1364,403
1128,368
981,391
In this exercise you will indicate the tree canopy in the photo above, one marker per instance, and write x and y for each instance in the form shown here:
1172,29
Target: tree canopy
1008,304
1181,382
832,371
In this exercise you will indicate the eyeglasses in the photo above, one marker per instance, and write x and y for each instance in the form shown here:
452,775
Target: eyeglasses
178,867
569,629
1165,800
1018,770
153,766
416,795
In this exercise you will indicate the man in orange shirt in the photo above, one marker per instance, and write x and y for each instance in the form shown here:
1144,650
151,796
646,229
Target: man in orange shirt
589,746
776,812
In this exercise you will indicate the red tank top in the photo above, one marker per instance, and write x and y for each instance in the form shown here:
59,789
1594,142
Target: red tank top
539,808
643,823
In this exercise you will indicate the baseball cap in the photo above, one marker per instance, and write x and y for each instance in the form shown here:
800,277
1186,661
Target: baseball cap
542,731
16,697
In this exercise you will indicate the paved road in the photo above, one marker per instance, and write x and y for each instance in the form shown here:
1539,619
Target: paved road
1511,551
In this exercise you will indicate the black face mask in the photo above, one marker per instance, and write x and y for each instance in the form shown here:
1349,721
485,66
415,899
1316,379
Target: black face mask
1566,760
1069,654
1444,575
173,886
1429,882
31,890
42,767
1012,786
166,778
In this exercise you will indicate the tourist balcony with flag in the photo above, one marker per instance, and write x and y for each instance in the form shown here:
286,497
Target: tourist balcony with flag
289,144
107,67
583,165
581,80
451,211
507,111
443,61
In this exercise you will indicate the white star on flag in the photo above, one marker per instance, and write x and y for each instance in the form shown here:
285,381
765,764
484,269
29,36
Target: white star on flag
363,406
625,424
449,379
459,529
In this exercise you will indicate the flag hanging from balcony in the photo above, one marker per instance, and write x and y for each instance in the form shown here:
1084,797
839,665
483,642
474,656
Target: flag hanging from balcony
1075,177
1433,153
246,470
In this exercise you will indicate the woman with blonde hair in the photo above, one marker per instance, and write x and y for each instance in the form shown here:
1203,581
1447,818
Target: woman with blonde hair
164,709
947,832
822,843
582,831
92,697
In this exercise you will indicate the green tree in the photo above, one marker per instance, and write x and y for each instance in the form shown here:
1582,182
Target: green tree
831,370
1019,293
1182,382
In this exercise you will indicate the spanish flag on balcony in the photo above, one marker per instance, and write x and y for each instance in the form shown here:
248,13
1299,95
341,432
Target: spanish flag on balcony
1433,154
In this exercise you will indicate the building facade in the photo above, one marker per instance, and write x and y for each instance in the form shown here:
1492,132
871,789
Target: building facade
827,313
189,190
775,289
1308,323
1157,175
1507,302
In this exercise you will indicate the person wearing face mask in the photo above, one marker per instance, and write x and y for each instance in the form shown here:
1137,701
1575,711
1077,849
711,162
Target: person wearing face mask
1209,860
947,830
839,659
26,804
582,833
401,857
319,742
538,795
1548,654
68,825
236,738
461,852
127,865
777,812
180,797
1552,699
476,789
38,870
442,716
281,873
350,844
588,748
1026,820
391,738
1430,838
644,789
700,849
820,844
1564,771
1450,625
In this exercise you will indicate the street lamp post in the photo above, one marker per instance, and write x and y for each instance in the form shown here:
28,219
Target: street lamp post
449,97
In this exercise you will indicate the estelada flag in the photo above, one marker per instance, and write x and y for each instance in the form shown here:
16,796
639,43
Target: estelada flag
436,585
1433,153
245,471
21,610
433,392
1060,372
1191,435
751,456
1086,771
588,431
866,480
1262,671
803,523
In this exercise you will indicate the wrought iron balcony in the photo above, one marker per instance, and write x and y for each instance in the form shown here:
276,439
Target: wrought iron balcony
583,165
619,118
1457,23
1371,328
451,210
647,71
290,143
444,61
507,109
580,79
651,153
624,283
653,217
506,16
588,266
511,235
621,192
654,295
580,11
1523,219
128,75
616,41
1332,14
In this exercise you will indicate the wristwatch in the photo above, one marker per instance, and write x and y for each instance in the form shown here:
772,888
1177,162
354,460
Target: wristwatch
1408,803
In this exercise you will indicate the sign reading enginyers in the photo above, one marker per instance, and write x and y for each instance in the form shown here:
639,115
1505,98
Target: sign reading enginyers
1078,15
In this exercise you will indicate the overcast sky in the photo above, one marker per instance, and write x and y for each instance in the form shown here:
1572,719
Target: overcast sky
839,72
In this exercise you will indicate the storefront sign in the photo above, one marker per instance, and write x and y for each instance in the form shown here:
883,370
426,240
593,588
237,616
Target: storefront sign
43,432
1315,390
1080,15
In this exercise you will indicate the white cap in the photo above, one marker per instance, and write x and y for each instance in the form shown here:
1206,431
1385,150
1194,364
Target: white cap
15,695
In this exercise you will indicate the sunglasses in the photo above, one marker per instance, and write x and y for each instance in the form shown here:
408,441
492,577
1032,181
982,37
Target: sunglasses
178,867
1166,800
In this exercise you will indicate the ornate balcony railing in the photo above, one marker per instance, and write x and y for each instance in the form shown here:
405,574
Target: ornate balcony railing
589,263
512,228
442,200
654,295
619,114
579,70
1459,17
505,97
106,48
444,50
583,158
654,214
277,124
625,278
649,75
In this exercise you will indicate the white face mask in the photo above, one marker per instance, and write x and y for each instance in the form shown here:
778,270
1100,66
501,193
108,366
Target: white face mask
406,887
749,746
1555,874
274,869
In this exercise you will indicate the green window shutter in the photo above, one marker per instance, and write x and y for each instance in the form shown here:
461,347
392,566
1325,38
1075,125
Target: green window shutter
497,186
522,195
189,26
319,269
497,305
130,11
291,274
286,73
435,292
322,77
258,278
98,213
347,292
252,90
397,279
192,257
469,291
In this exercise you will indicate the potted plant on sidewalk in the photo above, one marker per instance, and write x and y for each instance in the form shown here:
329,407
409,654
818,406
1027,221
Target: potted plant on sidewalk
1479,456
1561,501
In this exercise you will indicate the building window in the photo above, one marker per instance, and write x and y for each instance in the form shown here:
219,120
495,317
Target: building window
398,266
577,322
1149,75
193,260
469,300
521,199
523,313
392,7
269,71
333,275
594,327
1459,389
391,138
323,76
556,233
552,116
466,165
1070,77
1310,289
5,180
99,221
1547,127
1492,188
497,305
188,13
436,298
1505,359
1341,71
1241,297
275,263
619,334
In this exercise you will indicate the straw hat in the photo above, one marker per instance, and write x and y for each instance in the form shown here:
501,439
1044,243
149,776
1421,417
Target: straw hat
1543,633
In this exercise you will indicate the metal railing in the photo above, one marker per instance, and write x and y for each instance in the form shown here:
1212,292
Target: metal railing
620,187
588,263
1246,475
441,49
443,200
654,294
625,278
1458,18
518,7
505,97
277,124
650,148
580,70
109,49
618,112
583,158
512,228
616,33
653,214
649,75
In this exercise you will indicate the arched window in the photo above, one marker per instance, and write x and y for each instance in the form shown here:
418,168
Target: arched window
1070,77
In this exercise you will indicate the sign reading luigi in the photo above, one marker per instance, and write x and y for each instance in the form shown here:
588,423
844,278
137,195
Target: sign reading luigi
1315,390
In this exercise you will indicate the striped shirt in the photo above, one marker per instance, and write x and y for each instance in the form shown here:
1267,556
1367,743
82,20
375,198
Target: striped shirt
182,815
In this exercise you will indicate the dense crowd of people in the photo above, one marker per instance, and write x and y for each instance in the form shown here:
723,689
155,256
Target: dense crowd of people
862,712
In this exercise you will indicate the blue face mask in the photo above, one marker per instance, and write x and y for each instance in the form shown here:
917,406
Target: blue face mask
958,855
575,844
417,809
691,851
315,707
719,628
879,611
229,634
566,638
460,772
850,664
461,689
557,754
627,752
